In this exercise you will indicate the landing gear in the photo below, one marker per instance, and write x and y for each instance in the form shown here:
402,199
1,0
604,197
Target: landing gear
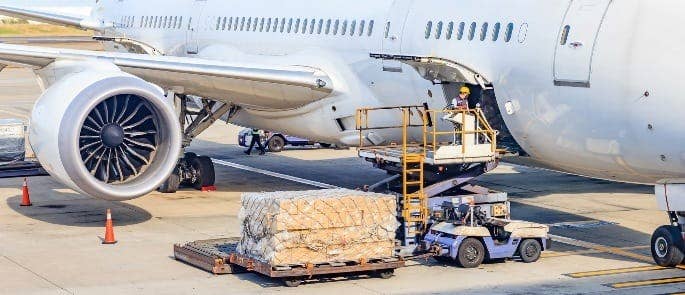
193,170
667,246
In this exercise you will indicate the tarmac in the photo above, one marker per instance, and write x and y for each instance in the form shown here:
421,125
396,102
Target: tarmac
601,229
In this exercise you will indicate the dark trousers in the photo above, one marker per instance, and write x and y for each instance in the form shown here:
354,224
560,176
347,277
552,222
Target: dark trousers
255,139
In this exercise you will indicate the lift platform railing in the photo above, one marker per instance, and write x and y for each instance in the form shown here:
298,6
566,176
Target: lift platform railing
482,130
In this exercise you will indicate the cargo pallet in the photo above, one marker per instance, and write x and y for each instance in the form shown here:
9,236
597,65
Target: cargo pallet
219,256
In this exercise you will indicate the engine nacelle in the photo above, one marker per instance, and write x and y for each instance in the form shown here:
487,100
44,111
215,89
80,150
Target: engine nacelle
106,134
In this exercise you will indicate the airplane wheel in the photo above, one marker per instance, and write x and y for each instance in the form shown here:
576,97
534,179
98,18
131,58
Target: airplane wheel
471,253
171,184
667,246
204,169
530,250
276,144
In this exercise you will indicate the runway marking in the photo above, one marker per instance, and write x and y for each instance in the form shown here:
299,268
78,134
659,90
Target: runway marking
598,247
615,271
585,252
645,283
274,174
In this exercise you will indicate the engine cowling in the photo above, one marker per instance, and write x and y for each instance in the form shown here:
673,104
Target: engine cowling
106,134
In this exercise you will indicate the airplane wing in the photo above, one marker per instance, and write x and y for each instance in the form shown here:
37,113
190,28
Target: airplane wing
264,86
83,22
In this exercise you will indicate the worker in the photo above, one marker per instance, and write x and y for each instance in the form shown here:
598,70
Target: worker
461,102
256,138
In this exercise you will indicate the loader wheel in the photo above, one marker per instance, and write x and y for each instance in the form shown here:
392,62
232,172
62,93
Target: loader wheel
385,273
292,282
530,250
471,253
276,144
667,246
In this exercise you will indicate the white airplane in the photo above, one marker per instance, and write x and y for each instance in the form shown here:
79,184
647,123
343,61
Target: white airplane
583,86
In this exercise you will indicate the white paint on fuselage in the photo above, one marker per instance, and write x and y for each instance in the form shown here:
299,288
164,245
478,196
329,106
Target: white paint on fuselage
599,131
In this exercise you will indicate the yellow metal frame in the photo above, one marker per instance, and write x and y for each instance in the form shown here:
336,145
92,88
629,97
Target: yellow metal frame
415,204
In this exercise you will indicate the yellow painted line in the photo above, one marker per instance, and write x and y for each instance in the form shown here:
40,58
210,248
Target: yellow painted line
644,283
606,272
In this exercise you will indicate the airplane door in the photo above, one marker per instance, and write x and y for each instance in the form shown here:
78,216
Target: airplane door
392,34
192,43
576,42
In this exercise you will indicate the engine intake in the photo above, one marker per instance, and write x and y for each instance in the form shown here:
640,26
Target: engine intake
109,135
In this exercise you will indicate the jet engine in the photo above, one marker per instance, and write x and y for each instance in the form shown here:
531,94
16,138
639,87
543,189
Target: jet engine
106,134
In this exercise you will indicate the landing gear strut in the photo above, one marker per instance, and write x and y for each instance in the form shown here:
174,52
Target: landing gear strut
193,170
667,243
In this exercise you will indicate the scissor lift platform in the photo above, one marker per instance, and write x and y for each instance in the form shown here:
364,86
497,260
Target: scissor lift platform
443,155
219,256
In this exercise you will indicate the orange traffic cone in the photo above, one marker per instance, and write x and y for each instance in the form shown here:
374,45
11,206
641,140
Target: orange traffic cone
109,229
25,199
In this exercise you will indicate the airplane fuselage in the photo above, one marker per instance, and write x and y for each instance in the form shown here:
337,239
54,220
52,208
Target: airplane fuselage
584,86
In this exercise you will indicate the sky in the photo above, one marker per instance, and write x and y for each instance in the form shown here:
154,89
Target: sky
78,7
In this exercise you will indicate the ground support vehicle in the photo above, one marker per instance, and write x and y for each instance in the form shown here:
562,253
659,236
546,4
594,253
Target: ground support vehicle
219,256
274,141
463,232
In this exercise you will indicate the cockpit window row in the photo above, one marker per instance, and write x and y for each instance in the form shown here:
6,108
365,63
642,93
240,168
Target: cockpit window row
295,25
468,31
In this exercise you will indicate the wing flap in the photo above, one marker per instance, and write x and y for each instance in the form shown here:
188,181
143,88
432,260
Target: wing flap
52,18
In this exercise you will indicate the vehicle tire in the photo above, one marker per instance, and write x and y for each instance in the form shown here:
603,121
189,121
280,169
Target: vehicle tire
292,282
171,184
667,246
530,250
204,169
276,144
189,155
325,145
385,273
471,253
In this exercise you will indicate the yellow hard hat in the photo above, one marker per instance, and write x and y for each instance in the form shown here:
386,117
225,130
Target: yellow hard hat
465,89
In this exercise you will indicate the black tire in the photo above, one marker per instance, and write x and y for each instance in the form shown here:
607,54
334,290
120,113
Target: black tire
385,273
276,144
667,246
189,155
204,169
171,184
530,250
292,282
471,253
325,145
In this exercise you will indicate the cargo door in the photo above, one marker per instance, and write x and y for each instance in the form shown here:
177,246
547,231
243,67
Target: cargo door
392,34
193,27
576,42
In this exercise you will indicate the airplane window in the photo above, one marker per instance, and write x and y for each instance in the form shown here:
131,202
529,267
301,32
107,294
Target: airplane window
255,21
319,28
297,26
450,29
230,23
223,23
429,27
242,23
154,24
508,32
328,26
236,22
190,21
180,22
282,26
438,30
218,23
371,28
261,24
312,23
166,22
353,26
495,32
140,25
249,24
305,22
460,31
564,35
387,30
335,27
483,31
290,25
472,31
268,24
344,28
361,27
